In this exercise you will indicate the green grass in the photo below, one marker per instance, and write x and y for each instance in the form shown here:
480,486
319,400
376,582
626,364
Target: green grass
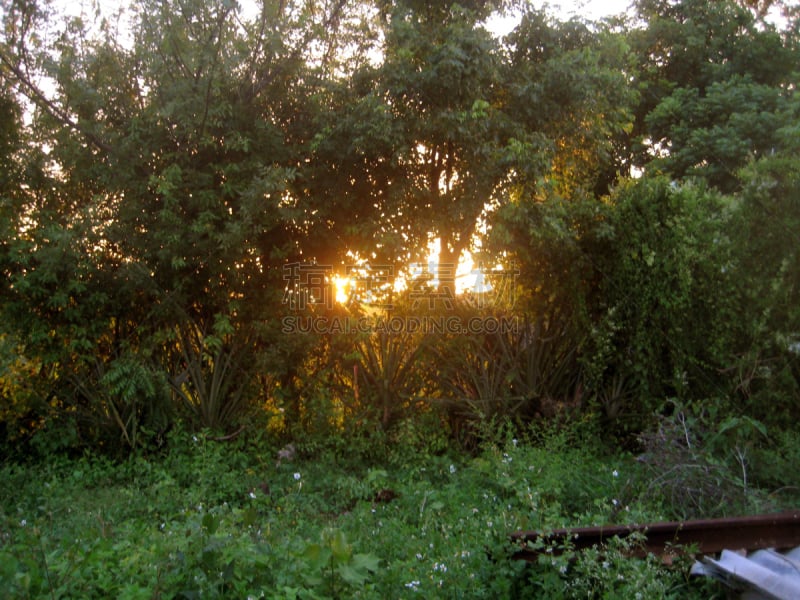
209,519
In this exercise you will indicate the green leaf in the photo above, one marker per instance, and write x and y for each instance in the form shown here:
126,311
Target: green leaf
316,557
757,425
370,562
249,516
210,523
352,575
228,574
339,546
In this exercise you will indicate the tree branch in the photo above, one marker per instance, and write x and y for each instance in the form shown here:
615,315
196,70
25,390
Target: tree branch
266,79
36,95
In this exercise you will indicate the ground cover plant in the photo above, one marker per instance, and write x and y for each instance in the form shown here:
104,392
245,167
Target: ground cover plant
210,519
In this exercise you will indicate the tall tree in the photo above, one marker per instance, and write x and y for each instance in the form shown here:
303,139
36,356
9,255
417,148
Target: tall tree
716,82
568,85
452,119
764,361
156,232
418,142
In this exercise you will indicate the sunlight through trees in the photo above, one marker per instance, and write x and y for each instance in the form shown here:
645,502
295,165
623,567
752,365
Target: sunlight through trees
207,210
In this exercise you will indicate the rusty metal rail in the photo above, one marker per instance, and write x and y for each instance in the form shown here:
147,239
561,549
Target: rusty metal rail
708,536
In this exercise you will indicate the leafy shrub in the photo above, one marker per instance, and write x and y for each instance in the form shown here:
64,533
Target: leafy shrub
700,468
493,378
644,278
388,374
774,464
610,572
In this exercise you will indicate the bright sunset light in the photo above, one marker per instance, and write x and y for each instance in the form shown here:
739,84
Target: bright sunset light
342,286
468,276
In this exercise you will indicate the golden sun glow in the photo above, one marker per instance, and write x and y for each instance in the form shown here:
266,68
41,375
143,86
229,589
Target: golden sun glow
342,286
468,275
466,270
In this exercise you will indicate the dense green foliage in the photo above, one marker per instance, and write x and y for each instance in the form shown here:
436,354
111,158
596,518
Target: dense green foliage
160,194
181,184
209,519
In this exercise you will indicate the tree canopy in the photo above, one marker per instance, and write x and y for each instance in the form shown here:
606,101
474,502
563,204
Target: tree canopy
162,186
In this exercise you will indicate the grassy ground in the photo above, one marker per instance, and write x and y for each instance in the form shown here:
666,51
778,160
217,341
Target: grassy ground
206,519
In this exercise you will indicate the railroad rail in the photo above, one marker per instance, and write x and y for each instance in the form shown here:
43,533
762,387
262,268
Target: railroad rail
707,536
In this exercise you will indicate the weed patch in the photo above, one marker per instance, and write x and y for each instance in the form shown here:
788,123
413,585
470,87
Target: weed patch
211,520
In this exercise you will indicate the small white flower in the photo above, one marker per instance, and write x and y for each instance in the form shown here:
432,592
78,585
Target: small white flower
614,501
615,473
23,523
440,567
562,569
194,439
452,469
413,585
418,555
253,495
514,441
297,476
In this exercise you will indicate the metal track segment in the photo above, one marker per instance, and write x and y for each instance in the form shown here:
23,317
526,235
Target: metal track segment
707,536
